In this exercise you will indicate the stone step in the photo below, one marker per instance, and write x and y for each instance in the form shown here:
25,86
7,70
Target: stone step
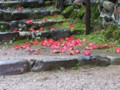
54,34
9,15
8,37
21,3
21,25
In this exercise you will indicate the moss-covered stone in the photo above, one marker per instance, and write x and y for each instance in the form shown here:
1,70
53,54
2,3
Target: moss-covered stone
48,3
67,12
76,4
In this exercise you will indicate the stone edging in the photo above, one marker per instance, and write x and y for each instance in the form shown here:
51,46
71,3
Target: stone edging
20,66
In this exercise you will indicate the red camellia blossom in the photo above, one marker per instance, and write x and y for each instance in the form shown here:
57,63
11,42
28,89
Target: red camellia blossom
53,28
63,50
29,21
16,31
55,15
16,47
56,51
32,30
77,51
41,29
118,50
35,42
19,9
44,19
37,53
71,53
87,53
84,40
72,27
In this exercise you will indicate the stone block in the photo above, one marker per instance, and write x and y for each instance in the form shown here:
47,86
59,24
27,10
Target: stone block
46,65
114,60
14,67
41,35
8,37
56,34
94,60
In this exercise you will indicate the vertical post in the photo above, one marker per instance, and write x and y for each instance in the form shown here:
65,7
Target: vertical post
88,15
60,4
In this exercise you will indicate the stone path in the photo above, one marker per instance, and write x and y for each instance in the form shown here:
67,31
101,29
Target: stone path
106,78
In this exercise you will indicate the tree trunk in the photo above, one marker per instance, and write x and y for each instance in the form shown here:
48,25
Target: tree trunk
88,15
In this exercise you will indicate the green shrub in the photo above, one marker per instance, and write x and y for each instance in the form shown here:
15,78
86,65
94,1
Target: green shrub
67,12
81,12
74,14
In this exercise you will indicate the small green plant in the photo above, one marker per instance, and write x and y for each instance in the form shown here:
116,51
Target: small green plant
62,68
109,31
116,35
101,37
77,66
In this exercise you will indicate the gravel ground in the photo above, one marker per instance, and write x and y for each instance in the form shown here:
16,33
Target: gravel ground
105,78
7,53
85,78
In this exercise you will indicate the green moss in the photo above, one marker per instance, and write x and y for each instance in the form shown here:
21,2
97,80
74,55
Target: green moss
67,12
56,11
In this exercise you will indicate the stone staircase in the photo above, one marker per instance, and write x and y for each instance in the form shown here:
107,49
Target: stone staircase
14,15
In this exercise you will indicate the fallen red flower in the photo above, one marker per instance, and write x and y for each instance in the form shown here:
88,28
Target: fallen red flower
53,28
41,29
55,15
117,50
72,27
29,21
56,51
16,31
19,9
37,53
44,19
16,47
87,53
77,51
63,50
71,53
35,42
